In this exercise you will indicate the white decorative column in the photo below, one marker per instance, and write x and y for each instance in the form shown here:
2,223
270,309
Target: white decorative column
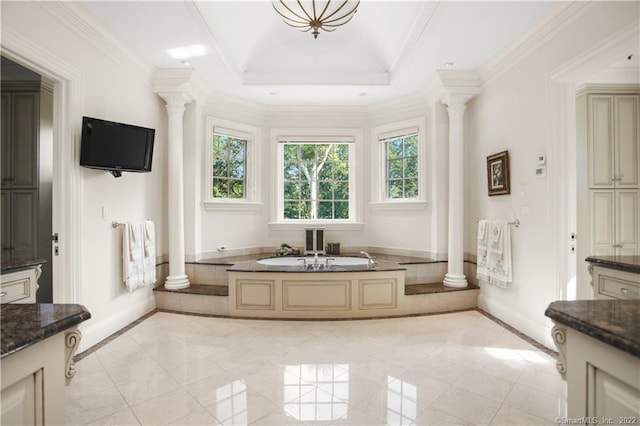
173,86
459,87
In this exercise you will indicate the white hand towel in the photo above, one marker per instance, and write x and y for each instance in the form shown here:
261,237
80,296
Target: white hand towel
495,268
149,246
482,272
132,256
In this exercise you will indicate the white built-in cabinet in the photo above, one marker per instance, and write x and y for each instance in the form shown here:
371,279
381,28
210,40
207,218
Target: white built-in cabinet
613,143
20,180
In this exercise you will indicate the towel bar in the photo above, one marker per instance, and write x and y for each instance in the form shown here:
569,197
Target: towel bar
515,223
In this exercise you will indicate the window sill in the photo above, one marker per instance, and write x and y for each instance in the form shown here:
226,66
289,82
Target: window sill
232,206
301,225
398,205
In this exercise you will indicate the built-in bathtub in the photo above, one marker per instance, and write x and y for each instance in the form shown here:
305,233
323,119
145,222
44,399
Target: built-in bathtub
310,287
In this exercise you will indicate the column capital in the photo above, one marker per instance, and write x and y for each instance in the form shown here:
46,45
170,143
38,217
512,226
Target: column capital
174,85
457,87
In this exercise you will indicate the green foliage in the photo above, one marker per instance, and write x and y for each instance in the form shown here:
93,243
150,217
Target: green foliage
315,176
229,167
402,167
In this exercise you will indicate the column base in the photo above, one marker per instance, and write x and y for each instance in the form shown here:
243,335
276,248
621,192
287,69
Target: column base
176,282
454,280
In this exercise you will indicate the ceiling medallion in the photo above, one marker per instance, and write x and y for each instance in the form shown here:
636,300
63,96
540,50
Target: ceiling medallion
326,16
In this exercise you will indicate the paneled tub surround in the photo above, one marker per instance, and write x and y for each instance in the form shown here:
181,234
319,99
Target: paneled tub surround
38,341
615,277
209,290
316,287
599,344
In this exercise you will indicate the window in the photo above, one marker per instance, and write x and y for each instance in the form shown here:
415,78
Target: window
400,179
229,166
315,178
230,169
402,166
316,181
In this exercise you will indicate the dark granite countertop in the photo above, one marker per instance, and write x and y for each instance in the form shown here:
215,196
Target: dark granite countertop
22,325
627,263
615,322
11,265
245,262
253,266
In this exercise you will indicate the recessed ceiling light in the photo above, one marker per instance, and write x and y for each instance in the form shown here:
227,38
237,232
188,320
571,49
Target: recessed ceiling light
448,64
190,51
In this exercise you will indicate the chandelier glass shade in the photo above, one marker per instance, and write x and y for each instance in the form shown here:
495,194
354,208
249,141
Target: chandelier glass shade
314,15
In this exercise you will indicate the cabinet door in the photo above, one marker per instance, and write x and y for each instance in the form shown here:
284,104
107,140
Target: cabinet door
5,204
600,141
24,222
627,214
602,206
5,129
26,107
627,142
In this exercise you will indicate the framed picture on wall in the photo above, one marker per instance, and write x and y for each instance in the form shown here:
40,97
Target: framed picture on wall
498,173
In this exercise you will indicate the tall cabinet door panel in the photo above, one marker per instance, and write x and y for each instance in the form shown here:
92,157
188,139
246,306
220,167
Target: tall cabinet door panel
602,205
25,140
5,128
24,222
5,203
600,141
627,150
627,217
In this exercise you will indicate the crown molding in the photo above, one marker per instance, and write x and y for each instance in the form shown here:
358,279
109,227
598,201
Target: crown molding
224,105
601,55
563,16
413,104
75,17
614,89
216,39
398,64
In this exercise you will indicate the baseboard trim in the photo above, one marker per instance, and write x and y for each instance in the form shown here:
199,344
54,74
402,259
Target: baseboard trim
99,331
541,333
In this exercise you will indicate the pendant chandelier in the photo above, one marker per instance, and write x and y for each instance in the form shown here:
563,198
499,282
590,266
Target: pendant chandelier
321,15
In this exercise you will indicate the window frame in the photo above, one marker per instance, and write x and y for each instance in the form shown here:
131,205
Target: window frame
353,137
252,136
380,136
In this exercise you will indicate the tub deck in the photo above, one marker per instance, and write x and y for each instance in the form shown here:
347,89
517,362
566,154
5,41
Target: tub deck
423,291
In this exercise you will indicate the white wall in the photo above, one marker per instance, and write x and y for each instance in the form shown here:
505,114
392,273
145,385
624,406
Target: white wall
411,231
112,91
514,113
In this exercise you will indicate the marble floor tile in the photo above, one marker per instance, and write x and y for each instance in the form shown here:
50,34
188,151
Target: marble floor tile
452,369
167,408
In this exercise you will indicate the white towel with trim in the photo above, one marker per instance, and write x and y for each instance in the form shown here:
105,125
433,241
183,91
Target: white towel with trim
149,250
132,256
494,261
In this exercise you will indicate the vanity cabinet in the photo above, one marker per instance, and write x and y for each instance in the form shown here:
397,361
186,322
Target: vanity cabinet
615,277
20,286
38,342
599,346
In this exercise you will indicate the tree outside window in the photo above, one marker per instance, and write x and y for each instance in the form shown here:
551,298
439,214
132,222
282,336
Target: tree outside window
316,181
402,167
229,167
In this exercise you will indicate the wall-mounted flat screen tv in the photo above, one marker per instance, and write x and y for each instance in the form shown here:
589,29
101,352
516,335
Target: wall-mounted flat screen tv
116,147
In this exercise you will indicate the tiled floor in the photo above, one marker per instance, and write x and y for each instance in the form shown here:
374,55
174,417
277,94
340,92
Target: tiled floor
451,369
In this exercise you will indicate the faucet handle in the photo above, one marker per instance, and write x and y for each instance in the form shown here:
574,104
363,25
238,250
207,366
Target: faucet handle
327,260
304,262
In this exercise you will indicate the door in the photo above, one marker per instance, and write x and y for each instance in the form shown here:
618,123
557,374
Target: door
627,214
